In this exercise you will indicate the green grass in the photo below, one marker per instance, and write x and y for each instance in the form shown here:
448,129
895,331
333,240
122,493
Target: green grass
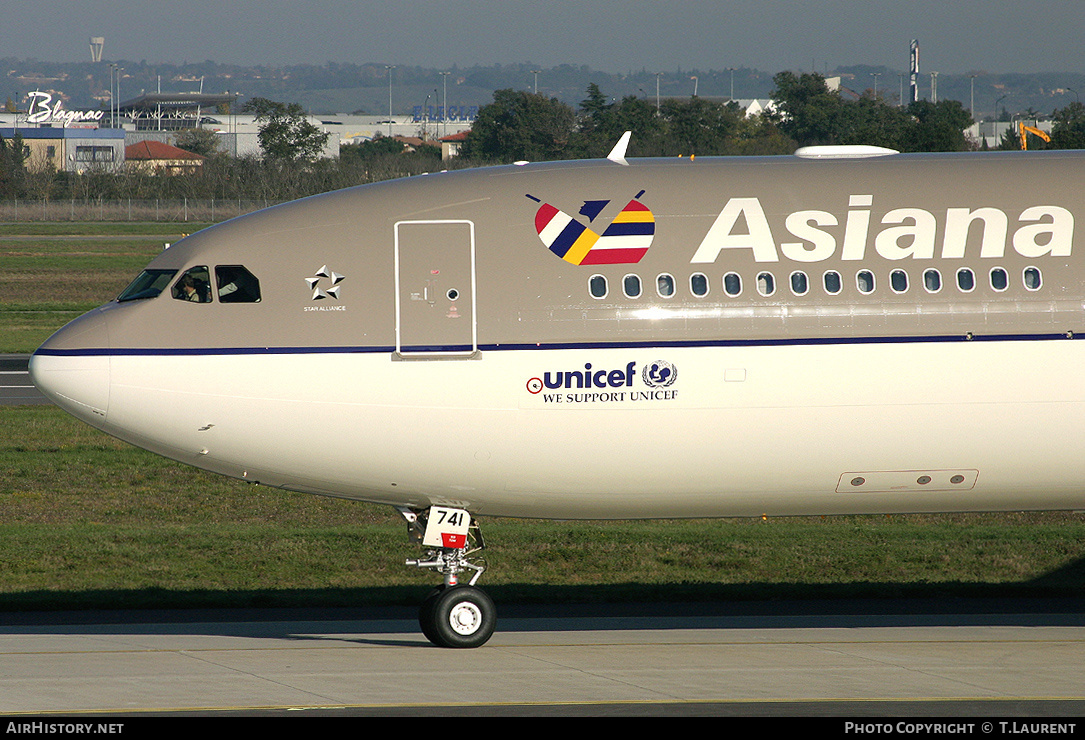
88,521
94,228
51,273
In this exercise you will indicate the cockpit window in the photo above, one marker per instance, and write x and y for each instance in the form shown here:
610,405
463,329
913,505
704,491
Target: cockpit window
148,285
236,284
194,286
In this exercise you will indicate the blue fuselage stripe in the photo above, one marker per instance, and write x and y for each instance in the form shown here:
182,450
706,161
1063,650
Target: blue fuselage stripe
690,343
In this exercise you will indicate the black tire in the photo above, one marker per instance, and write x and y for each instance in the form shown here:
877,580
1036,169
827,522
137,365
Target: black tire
425,613
459,617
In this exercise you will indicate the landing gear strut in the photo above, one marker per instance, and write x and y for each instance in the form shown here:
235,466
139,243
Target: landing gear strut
452,615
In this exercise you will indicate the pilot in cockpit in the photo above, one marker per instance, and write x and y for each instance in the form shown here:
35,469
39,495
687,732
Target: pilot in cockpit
188,289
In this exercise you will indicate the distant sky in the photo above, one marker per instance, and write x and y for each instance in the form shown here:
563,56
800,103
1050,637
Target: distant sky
615,36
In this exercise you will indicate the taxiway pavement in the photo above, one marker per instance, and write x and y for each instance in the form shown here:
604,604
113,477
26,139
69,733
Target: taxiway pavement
550,662
15,385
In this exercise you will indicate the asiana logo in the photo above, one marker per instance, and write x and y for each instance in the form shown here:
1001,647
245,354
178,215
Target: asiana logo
623,242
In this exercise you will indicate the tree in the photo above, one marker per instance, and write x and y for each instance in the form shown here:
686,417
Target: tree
376,147
593,126
698,126
869,121
520,125
759,136
1068,129
812,114
594,108
600,124
806,110
938,127
384,157
680,127
286,134
12,166
636,115
198,141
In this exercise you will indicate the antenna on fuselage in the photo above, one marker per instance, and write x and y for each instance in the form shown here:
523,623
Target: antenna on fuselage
617,154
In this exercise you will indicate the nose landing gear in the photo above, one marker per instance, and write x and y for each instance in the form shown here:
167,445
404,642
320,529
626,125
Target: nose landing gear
457,617
452,615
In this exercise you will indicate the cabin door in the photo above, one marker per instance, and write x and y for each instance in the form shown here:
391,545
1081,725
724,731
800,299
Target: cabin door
435,289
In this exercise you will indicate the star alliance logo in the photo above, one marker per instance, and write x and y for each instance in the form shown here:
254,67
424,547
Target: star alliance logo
332,291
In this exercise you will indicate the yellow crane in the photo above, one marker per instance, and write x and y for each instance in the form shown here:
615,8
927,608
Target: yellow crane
1023,131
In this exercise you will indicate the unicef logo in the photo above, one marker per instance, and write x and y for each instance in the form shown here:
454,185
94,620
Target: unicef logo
659,374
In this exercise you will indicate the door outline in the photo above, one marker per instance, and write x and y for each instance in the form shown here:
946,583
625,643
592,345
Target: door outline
436,354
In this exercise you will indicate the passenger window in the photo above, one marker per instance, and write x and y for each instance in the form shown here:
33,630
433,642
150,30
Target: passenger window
766,284
966,281
597,286
1032,278
999,279
864,280
932,281
236,284
732,284
631,286
799,285
194,286
698,284
665,285
832,282
898,281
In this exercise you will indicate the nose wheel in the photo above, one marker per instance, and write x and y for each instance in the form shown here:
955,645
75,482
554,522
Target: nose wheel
457,617
453,615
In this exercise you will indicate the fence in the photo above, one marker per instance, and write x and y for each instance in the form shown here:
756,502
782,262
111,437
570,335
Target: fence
129,209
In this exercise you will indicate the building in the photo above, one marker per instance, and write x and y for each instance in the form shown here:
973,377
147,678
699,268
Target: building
172,111
71,140
70,149
156,158
756,106
451,144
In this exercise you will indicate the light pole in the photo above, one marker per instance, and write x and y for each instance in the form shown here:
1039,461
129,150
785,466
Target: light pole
996,105
436,126
535,89
233,118
112,119
389,67
695,81
425,116
444,104
732,71
997,116
657,91
119,70
875,76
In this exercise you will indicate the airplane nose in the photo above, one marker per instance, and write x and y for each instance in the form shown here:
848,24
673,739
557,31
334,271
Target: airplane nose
72,368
